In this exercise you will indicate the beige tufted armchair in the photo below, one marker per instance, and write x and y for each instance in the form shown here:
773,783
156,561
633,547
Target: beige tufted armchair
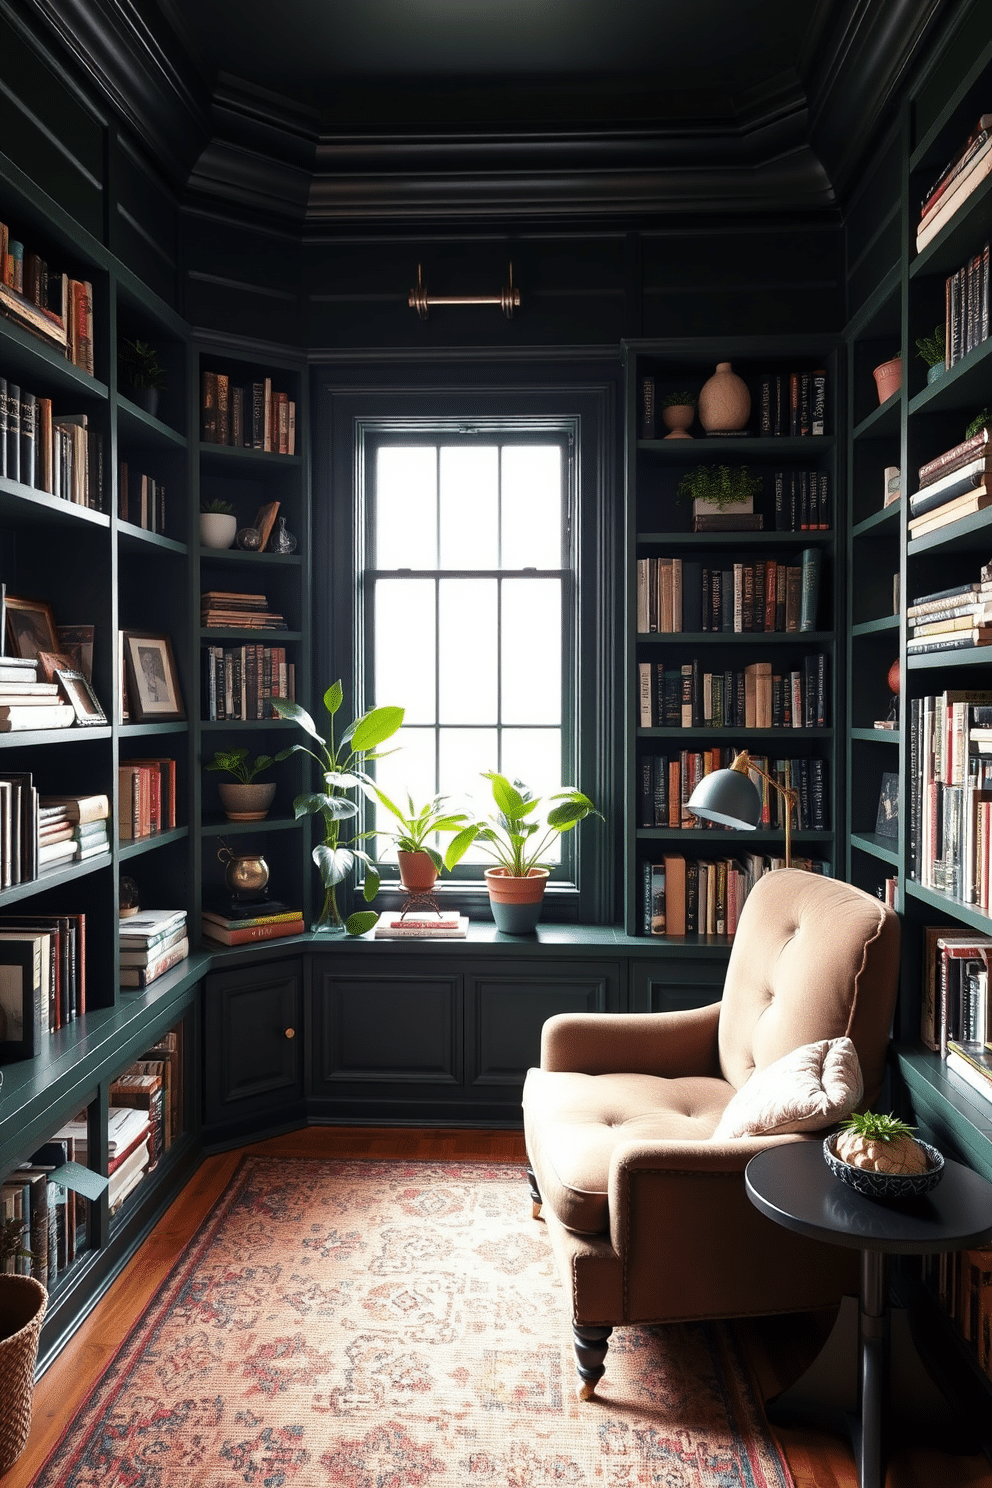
648,1217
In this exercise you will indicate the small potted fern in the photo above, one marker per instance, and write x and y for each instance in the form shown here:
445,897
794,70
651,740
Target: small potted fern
931,349
720,490
246,799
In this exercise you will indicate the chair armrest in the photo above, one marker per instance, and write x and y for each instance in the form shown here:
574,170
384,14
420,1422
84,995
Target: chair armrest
666,1044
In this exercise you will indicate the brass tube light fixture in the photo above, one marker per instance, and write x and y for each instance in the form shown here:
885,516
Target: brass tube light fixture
508,298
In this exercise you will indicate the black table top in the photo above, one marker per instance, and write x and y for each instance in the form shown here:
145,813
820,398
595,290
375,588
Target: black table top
793,1186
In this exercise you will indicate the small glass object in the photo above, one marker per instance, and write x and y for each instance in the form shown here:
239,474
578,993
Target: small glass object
128,898
282,541
249,538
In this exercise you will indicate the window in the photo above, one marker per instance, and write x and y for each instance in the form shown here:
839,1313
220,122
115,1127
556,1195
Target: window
468,595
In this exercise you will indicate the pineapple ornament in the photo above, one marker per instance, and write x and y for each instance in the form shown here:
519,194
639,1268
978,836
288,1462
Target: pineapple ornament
880,1144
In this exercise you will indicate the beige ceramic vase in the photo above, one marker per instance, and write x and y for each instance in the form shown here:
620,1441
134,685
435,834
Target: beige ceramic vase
724,401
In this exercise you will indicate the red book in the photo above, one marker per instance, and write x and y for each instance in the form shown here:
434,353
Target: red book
274,931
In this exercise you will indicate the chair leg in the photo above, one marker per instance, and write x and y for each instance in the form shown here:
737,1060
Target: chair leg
535,1194
591,1345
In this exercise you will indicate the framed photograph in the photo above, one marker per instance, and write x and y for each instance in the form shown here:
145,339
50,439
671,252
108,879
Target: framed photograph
30,627
264,521
20,1013
76,642
80,694
887,821
152,680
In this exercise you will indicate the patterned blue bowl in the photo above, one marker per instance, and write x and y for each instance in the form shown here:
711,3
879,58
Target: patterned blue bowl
885,1185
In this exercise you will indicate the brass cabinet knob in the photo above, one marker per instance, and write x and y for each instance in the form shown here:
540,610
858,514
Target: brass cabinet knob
290,1032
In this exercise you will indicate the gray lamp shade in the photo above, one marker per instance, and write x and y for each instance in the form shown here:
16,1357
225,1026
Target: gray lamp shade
728,798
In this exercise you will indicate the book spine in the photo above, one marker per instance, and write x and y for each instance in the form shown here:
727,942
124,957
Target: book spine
818,416
648,416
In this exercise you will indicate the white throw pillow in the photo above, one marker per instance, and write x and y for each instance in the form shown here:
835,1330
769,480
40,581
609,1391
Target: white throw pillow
812,1087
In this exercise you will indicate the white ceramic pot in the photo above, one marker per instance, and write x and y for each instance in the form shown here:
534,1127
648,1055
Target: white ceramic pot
217,529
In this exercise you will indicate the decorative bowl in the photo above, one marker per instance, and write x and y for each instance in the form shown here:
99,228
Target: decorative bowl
885,1185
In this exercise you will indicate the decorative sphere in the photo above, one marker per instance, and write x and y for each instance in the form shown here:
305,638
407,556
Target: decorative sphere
894,676
249,538
248,874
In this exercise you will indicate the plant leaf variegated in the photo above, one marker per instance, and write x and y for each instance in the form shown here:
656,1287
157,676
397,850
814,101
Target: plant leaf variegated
518,835
341,769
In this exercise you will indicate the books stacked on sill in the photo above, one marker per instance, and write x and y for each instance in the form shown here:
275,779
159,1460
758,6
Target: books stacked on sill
27,702
676,595
141,500
420,926
55,1216
151,942
705,896
50,451
72,828
667,782
234,922
223,609
50,305
252,415
950,794
43,957
960,177
686,696
238,681
961,1283
129,1148
954,485
146,798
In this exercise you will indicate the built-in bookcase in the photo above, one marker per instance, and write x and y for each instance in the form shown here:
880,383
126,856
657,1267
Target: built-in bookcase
659,525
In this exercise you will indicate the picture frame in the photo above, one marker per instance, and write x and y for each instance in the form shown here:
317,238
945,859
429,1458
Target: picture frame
887,820
19,1011
152,679
50,662
76,642
30,627
80,694
265,521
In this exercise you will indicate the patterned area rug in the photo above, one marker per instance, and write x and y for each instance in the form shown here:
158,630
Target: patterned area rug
399,1325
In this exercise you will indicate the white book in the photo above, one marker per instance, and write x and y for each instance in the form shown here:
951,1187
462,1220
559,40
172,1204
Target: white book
386,931
148,924
14,717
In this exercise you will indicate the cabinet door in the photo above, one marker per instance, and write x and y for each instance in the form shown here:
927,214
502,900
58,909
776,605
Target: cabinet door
386,1028
253,1049
666,985
507,1008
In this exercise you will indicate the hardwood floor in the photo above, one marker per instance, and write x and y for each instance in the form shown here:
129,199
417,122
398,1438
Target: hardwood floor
777,1348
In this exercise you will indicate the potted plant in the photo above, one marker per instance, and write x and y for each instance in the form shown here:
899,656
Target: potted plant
247,799
932,350
419,862
340,765
143,373
888,378
23,1300
517,837
678,410
719,488
218,524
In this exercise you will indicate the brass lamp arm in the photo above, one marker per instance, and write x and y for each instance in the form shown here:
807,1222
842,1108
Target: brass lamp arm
744,765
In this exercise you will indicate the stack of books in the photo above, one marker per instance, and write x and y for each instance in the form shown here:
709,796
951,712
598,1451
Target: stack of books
422,927
235,922
151,942
129,1135
26,702
954,485
956,182
951,619
226,609
72,828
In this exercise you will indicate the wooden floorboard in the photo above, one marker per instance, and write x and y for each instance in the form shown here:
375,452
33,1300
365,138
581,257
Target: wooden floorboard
777,1348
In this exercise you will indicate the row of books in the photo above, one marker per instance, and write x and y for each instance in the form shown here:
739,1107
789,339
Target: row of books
966,307
792,403
146,797
49,304
250,416
238,681
141,499
151,942
237,922
960,177
54,452
221,609
43,982
954,1005
705,896
802,500
667,782
950,800
952,619
39,832
52,1218
686,695
682,594
961,1282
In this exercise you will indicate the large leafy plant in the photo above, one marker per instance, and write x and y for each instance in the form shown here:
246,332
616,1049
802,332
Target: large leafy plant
341,763
518,834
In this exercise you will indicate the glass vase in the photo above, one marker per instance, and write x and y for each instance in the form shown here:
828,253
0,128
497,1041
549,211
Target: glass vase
329,921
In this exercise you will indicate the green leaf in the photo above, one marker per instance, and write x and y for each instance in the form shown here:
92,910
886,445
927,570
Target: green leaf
375,726
459,846
316,803
371,885
383,799
509,800
340,779
361,921
333,698
334,863
286,708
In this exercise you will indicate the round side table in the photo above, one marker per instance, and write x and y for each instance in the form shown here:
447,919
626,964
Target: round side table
792,1185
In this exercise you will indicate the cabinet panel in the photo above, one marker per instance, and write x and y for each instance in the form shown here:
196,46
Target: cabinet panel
387,1028
666,986
506,1011
252,1027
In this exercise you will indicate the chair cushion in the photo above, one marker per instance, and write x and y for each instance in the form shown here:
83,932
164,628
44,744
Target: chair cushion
813,1087
574,1122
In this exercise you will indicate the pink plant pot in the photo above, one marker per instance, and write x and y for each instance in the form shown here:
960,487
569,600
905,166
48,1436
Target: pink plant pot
888,378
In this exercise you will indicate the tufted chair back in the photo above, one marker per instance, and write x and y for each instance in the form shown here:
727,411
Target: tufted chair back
813,958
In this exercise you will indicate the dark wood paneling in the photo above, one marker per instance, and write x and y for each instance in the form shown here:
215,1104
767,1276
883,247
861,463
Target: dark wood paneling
872,224
145,230
666,986
253,1063
404,1029
505,1012
241,278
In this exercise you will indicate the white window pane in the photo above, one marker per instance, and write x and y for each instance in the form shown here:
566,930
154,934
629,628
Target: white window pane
534,757
409,770
531,643
467,646
404,647
469,488
406,507
532,515
463,756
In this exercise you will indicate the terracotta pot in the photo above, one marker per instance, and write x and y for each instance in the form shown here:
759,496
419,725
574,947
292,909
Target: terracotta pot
678,417
888,378
516,902
724,401
418,874
246,802
22,1307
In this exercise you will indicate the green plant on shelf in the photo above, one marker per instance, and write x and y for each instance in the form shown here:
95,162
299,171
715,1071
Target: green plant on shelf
416,825
236,762
216,509
720,485
514,836
141,365
977,423
931,348
678,400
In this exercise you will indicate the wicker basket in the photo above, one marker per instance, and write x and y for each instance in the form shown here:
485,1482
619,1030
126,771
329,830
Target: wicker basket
22,1308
